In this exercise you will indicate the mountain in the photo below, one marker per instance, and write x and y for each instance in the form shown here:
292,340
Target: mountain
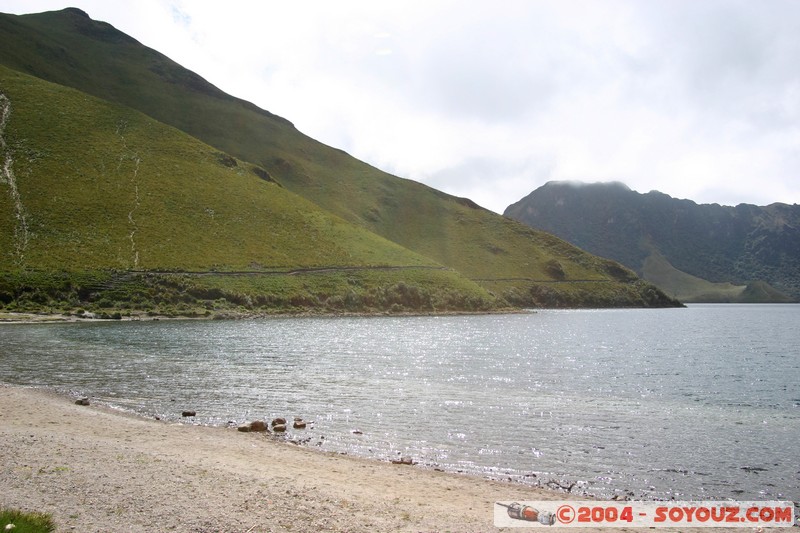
519,265
97,197
696,252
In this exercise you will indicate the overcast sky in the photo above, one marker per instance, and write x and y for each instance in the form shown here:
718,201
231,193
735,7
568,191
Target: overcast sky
699,99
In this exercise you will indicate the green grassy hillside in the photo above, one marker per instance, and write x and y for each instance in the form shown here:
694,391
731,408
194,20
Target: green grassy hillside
101,185
691,289
514,261
94,189
685,287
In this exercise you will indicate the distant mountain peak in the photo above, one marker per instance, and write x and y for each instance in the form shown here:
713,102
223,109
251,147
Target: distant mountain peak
711,243
76,11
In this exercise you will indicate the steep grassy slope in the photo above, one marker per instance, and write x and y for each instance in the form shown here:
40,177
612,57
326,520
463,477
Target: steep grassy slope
90,186
685,287
697,252
69,48
101,185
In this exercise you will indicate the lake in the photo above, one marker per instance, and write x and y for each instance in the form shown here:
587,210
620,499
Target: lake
695,403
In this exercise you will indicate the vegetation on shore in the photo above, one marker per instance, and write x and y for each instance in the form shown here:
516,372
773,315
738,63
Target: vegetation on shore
107,294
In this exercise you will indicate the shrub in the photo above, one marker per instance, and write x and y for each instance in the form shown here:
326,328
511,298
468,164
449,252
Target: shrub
555,270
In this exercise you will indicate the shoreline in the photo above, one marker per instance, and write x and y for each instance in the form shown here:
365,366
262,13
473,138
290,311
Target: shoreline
95,468
145,316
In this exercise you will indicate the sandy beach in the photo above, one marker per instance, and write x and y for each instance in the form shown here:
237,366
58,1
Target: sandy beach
97,469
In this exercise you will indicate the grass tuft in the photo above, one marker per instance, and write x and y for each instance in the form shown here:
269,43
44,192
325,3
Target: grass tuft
26,522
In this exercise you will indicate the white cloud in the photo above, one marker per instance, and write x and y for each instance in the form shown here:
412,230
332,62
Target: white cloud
489,100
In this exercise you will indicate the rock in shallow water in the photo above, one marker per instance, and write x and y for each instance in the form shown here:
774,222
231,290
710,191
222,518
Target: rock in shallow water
258,425
255,425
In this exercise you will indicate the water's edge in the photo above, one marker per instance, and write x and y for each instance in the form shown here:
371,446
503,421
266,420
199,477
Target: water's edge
692,403
556,487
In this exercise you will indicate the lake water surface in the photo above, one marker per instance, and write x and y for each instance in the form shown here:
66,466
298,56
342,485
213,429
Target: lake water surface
697,403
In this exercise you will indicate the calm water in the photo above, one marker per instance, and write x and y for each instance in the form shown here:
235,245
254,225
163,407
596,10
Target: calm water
693,403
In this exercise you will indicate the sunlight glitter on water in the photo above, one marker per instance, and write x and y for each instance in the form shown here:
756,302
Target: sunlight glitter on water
603,398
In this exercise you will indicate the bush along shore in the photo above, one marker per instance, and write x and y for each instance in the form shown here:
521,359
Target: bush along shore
118,295
323,291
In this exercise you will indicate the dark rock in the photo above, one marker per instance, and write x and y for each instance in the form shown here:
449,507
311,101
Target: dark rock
244,428
278,422
189,413
226,160
258,425
264,175
279,428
